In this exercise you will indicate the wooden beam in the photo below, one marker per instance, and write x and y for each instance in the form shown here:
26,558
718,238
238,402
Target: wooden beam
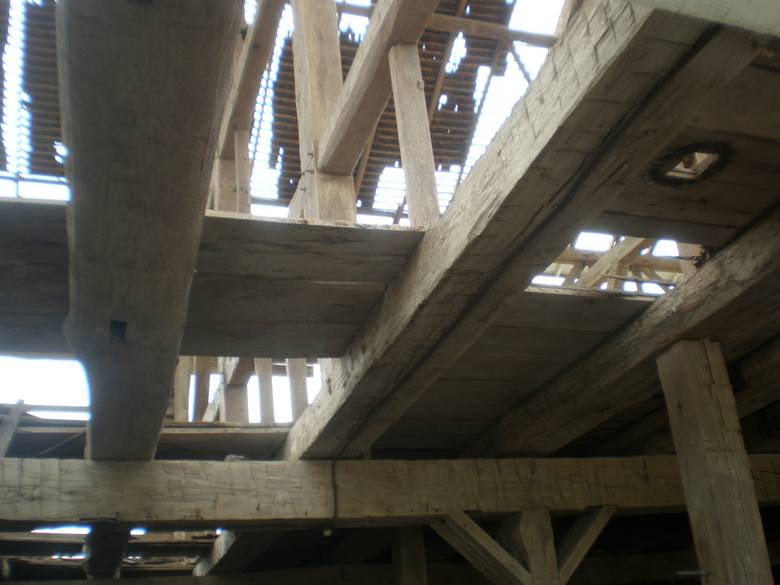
617,255
264,371
235,402
181,388
534,529
299,398
301,493
317,62
8,427
414,135
488,30
362,99
138,169
409,566
762,16
714,465
488,250
758,375
579,540
255,54
234,552
203,368
479,549
536,428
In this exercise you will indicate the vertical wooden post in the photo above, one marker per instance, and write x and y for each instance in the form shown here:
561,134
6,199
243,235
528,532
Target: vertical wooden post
181,388
409,556
529,538
264,371
224,185
204,366
235,404
296,372
414,135
714,466
318,82
243,172
9,425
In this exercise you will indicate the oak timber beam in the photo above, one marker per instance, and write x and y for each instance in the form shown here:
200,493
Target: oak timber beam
534,428
612,259
759,377
255,54
512,216
414,134
181,388
138,168
579,540
714,466
236,494
481,550
409,566
488,30
362,99
105,547
761,16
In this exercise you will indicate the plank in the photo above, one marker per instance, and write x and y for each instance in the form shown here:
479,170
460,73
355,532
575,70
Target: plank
489,30
362,99
278,493
135,155
714,466
241,258
751,263
494,239
618,254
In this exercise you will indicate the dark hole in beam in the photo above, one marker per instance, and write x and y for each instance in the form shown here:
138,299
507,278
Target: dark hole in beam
118,332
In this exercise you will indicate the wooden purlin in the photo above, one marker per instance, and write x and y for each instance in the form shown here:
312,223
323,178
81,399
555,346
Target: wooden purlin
180,494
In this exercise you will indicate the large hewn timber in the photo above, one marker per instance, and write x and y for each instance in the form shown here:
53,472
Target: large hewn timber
276,493
758,15
138,166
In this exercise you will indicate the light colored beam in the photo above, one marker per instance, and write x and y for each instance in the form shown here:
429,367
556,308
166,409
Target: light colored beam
762,16
608,263
714,466
579,540
138,167
255,54
488,30
367,87
232,494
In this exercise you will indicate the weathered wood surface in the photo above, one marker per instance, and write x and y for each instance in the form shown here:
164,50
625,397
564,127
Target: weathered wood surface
255,52
243,493
196,441
138,167
739,286
262,287
234,552
362,99
714,466
537,337
759,15
513,215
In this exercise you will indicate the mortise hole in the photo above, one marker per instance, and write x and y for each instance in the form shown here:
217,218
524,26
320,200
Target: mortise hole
118,332
690,164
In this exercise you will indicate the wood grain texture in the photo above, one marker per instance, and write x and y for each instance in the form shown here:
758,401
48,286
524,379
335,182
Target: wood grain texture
249,493
249,293
138,168
714,466
512,216
759,15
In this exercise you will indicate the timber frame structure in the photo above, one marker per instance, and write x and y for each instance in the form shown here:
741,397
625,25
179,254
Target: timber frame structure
472,426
